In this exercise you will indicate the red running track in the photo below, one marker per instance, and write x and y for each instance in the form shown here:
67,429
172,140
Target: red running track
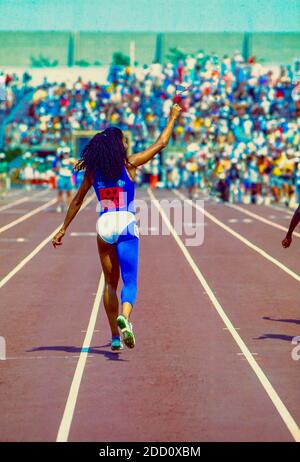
187,379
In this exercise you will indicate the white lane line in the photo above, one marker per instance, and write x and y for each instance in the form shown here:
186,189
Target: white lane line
20,201
242,238
34,194
36,250
236,220
195,225
15,211
242,354
45,357
236,328
146,230
13,239
65,424
247,220
95,331
28,258
12,204
27,215
260,218
280,209
268,387
13,193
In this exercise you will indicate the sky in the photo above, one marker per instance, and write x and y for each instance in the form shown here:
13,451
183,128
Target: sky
151,15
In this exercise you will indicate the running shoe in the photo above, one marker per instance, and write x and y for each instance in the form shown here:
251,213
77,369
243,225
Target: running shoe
116,343
127,331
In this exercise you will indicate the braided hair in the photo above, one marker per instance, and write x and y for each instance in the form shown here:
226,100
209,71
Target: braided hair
104,153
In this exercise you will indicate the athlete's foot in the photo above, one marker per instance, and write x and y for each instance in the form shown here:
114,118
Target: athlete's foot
127,331
116,343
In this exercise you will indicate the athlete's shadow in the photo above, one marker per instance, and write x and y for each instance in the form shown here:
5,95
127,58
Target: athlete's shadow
109,355
287,338
291,321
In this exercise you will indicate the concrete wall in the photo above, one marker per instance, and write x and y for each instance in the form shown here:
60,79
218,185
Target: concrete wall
100,46
210,42
276,47
17,48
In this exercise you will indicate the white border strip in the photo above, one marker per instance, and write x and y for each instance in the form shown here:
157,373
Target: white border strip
271,392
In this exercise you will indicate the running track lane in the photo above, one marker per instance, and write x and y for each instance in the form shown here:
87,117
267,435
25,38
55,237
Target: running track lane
261,234
259,298
185,380
14,210
13,198
33,230
215,411
44,309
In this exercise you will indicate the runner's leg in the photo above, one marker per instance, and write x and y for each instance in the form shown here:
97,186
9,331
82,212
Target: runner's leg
110,264
128,259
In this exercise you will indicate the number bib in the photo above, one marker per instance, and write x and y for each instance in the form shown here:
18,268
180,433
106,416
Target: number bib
112,198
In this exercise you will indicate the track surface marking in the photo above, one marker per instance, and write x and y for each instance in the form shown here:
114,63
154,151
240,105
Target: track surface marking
262,219
279,405
242,238
27,215
37,249
65,424
186,380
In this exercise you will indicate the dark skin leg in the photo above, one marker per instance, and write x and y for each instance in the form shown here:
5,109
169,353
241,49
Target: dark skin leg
110,265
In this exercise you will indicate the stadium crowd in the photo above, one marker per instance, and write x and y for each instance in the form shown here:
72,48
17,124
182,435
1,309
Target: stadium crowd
238,133
12,89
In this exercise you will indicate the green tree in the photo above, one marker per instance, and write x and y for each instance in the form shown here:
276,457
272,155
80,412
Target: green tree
43,61
119,59
82,63
175,54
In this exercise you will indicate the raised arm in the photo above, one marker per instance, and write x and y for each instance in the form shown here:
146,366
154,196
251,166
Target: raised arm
143,157
294,222
73,209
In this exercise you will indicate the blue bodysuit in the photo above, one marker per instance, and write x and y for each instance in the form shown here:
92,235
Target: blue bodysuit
117,225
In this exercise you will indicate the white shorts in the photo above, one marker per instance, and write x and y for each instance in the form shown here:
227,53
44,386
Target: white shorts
111,225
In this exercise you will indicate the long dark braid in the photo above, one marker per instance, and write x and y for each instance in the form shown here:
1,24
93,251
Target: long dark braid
104,153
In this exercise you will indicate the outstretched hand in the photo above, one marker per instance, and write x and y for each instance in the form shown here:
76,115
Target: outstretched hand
286,242
58,238
175,111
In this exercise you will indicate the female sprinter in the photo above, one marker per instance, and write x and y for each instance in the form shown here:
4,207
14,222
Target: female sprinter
111,172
